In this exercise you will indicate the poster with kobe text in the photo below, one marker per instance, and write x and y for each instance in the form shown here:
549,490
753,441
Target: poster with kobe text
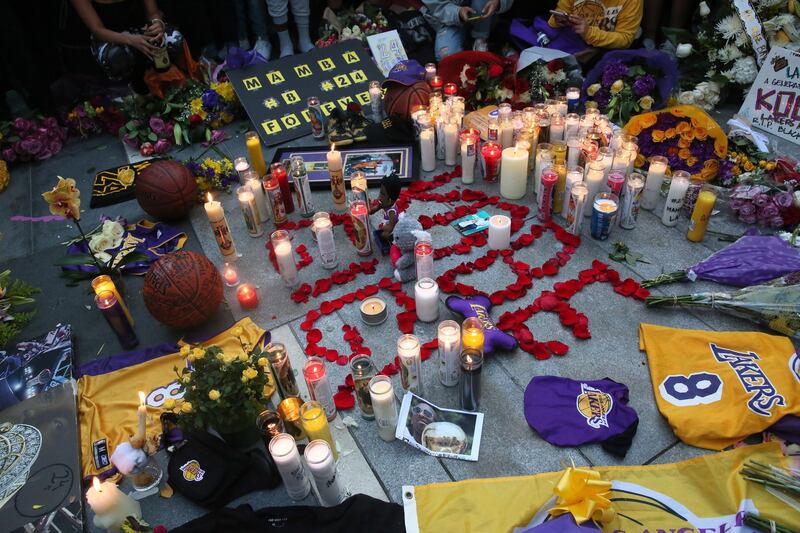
773,103
275,94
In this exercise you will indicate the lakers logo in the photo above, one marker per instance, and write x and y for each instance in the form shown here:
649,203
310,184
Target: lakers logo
594,405
192,471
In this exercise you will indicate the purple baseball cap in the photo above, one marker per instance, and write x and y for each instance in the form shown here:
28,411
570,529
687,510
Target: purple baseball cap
406,72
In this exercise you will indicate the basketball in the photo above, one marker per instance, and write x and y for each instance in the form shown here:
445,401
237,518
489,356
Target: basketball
182,289
166,190
400,100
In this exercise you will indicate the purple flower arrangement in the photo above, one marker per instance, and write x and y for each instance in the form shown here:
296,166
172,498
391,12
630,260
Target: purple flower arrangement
753,204
31,139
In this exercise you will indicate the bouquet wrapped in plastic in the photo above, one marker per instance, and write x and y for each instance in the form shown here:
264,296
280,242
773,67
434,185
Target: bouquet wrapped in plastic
775,304
752,259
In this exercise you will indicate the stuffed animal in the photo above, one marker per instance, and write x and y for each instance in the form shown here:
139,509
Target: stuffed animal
404,236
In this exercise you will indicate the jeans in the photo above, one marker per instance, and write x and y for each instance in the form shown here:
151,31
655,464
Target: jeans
450,39
254,13
279,10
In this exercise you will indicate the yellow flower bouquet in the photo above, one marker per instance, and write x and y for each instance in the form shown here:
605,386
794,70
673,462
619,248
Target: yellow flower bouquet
684,134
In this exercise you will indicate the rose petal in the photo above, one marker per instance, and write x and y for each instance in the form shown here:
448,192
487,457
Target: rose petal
344,400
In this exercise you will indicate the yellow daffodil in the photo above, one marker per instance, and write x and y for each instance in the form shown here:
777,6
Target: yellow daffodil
592,89
213,395
65,199
186,407
169,404
617,87
646,102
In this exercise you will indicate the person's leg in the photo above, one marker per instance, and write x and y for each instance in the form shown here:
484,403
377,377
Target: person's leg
257,14
480,30
279,11
241,23
651,22
449,40
301,12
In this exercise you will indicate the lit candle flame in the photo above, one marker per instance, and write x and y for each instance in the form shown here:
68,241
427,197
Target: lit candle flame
96,484
210,198
141,398
333,147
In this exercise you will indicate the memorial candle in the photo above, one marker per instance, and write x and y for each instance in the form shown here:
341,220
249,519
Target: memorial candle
514,173
254,152
110,505
230,275
319,458
269,425
426,298
254,182
284,256
315,424
427,148
430,71
408,351
594,182
450,141
491,154
112,311
334,158
319,386
283,450
219,225
472,334
702,211
604,212
572,124
376,100
615,181
104,283
557,124
577,204
359,214
573,150
278,172
301,185
247,296
275,200
469,150
546,194
384,406
450,89
423,257
436,83
499,232
363,370
449,338
247,203
323,229
574,175
544,159
139,438
281,367
655,178
506,132
241,166
471,362
561,185
629,211
677,191
573,99
359,189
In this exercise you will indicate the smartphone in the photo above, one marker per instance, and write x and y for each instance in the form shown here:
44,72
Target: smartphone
476,18
559,13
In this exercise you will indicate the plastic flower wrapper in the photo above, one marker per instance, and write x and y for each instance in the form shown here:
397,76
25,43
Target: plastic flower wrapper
752,259
775,304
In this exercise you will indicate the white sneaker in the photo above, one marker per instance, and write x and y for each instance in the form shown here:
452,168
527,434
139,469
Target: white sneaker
264,48
480,45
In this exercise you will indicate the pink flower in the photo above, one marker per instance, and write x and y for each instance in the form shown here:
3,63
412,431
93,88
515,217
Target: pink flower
50,123
157,125
31,145
9,155
54,146
22,125
217,136
162,146
43,154
146,149
129,141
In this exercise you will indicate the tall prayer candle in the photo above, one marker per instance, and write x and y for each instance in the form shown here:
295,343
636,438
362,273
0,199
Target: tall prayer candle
359,189
283,450
301,186
492,129
284,256
384,406
574,175
471,362
506,132
275,200
491,154
363,369
254,152
557,125
702,211
677,191
376,100
103,283
108,304
594,182
615,181
241,166
219,225
426,298
604,212
110,505
499,232
408,351
315,424
544,159
472,334
423,257
427,148
359,214
655,178
247,203
469,150
561,185
629,211
450,142
319,458
281,367
449,337
319,386
577,204
278,172
316,117
573,99
323,228
334,157
514,173
254,182
546,190
573,150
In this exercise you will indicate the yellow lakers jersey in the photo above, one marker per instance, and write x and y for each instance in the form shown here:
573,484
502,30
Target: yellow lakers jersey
108,402
716,388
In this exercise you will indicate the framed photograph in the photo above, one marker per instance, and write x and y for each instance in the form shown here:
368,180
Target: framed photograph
374,161
439,432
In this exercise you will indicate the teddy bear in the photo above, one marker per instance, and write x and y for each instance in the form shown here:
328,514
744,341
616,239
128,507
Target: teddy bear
404,236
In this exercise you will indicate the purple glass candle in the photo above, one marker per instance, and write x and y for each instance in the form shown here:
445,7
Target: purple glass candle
115,315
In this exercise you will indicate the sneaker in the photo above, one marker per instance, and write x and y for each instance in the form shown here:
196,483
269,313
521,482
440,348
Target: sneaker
649,43
264,48
480,45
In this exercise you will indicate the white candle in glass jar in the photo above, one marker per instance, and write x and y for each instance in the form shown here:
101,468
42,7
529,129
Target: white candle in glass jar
241,166
469,150
499,232
319,459
544,159
450,143
574,175
408,352
111,506
427,148
323,229
384,406
284,257
506,136
557,123
257,188
426,297
655,178
677,191
594,182
284,452
573,151
514,173
572,124
449,339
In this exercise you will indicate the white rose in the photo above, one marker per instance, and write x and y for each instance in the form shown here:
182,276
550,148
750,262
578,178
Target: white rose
100,243
113,229
686,97
346,33
103,257
356,30
704,9
796,198
683,50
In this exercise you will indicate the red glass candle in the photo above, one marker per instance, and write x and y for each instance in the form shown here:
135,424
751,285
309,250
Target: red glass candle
546,190
278,172
359,214
230,275
491,153
319,386
423,258
451,89
247,296
436,83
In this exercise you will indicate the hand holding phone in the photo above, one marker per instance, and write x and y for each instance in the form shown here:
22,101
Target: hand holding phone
560,16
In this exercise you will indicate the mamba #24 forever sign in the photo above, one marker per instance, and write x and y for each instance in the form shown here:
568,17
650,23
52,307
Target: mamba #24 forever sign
773,103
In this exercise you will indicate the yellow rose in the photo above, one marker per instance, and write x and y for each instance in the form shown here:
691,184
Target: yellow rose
646,102
683,142
648,120
243,357
683,127
185,349
169,404
592,89
691,161
262,361
228,358
213,394
701,134
64,199
640,161
617,86
658,136
684,153
670,133
249,373
186,407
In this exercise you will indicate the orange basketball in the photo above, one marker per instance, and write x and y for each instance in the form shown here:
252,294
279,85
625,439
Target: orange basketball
166,190
400,100
182,289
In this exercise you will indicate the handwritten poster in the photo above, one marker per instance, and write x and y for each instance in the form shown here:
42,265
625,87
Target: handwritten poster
387,49
773,103
275,94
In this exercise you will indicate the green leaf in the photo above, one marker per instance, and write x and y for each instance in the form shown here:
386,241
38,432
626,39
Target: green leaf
133,257
130,125
632,257
177,133
75,259
152,137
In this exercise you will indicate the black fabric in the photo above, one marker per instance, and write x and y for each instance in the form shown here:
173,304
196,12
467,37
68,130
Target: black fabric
211,473
357,514
619,445
121,16
415,33
392,130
